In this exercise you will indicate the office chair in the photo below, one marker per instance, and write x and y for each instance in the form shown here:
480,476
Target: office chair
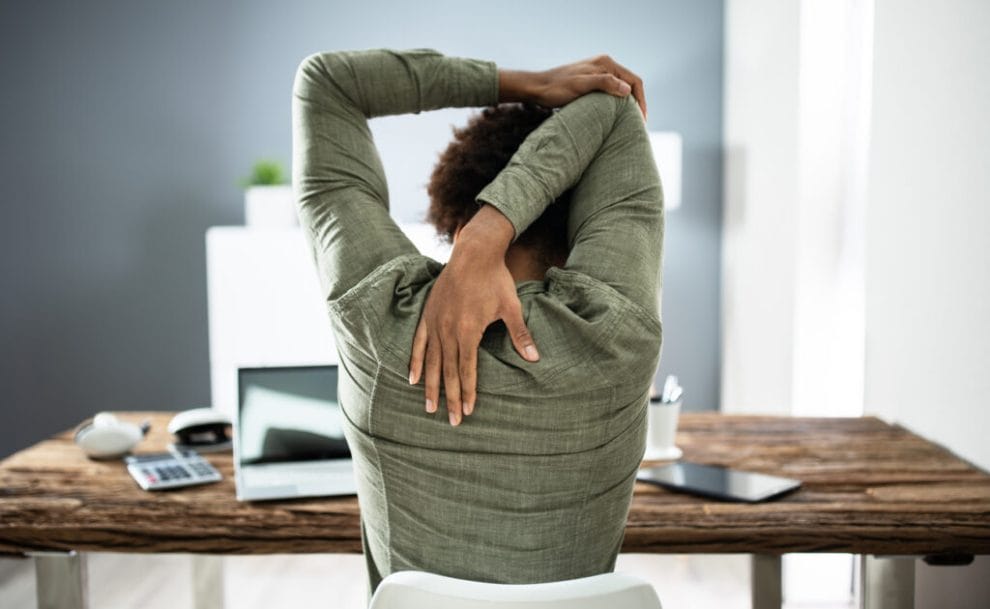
419,590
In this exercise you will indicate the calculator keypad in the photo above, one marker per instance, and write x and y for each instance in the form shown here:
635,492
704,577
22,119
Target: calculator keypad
170,470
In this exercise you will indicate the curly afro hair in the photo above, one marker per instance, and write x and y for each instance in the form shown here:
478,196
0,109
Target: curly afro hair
479,151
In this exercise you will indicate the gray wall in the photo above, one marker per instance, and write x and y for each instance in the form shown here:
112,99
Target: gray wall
125,127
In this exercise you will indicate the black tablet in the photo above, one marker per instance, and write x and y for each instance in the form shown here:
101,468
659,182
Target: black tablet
718,482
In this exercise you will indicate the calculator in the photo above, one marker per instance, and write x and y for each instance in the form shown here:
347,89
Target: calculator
159,471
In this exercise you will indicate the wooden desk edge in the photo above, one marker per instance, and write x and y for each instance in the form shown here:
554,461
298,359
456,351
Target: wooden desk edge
970,536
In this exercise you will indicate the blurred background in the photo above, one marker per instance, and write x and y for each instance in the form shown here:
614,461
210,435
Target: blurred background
827,257
128,127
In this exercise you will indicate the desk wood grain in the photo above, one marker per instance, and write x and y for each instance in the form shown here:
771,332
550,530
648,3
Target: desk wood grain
869,488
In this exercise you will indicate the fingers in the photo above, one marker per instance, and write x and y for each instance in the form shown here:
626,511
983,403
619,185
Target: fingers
519,333
451,381
621,72
640,94
432,373
441,359
610,84
418,353
468,365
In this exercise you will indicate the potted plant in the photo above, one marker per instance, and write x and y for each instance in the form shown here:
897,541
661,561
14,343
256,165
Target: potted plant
268,197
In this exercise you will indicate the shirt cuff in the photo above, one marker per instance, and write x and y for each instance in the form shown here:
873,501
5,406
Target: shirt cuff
476,81
518,194
493,82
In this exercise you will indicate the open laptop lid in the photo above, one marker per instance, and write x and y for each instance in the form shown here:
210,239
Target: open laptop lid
288,415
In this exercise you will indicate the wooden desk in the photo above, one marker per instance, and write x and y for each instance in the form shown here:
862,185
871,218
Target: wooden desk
869,488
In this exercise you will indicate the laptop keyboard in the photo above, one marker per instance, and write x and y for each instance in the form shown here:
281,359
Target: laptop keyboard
297,473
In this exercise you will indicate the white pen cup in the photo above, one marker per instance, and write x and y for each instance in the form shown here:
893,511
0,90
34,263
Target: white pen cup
661,431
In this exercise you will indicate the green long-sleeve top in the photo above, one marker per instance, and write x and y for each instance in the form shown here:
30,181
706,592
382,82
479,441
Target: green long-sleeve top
536,484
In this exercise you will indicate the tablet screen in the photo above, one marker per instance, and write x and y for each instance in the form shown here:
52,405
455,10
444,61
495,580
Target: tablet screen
717,482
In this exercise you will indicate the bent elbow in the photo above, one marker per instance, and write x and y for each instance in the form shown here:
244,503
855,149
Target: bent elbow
310,72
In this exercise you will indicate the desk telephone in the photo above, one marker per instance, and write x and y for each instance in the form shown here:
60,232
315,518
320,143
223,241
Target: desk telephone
200,429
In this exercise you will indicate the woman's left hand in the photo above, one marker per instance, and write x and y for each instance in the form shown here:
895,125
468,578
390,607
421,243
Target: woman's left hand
559,86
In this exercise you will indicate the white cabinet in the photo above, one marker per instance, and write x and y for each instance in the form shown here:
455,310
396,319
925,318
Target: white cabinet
265,306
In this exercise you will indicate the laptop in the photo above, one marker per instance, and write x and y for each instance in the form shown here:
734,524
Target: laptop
289,434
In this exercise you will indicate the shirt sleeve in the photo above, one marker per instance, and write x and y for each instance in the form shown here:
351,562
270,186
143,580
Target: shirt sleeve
597,144
337,175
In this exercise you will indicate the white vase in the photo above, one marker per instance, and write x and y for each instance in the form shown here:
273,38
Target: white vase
270,206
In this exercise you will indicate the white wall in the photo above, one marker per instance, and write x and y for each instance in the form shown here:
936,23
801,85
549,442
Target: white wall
792,254
792,175
761,139
796,112
845,126
928,258
833,118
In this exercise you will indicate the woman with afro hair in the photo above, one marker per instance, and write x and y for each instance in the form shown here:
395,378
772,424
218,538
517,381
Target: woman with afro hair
495,405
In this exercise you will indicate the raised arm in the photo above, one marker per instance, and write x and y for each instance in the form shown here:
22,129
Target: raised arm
616,221
597,144
337,175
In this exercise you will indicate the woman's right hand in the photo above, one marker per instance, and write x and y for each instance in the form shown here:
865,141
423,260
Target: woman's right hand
474,290
561,85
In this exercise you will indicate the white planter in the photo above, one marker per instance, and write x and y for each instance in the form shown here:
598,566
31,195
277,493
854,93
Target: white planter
270,206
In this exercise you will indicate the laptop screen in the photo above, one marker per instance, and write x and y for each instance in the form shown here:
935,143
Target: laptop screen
289,414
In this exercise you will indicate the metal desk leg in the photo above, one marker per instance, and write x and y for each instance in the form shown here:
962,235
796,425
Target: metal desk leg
888,582
766,586
207,574
61,580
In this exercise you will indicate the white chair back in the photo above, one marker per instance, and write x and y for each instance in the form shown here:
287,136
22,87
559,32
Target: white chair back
418,590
